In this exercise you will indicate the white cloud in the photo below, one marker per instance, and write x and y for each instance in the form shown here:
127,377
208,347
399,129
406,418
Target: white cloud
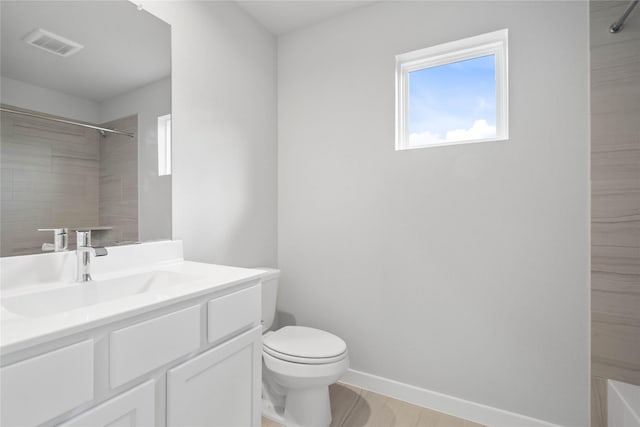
479,130
424,138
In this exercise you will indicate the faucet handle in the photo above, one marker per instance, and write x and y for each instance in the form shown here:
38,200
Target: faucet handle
99,251
60,239
84,241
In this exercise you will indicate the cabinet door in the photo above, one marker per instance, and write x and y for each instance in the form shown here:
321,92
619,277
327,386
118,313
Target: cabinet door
134,408
219,388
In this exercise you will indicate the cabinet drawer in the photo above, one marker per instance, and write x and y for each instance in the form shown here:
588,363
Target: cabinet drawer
134,408
143,347
234,312
38,389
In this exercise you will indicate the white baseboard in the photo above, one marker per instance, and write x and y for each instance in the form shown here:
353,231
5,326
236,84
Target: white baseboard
441,402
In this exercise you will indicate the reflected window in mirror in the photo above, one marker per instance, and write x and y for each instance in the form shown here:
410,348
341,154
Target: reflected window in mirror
164,145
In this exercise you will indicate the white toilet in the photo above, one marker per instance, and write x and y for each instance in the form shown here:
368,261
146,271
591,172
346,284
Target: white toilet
299,364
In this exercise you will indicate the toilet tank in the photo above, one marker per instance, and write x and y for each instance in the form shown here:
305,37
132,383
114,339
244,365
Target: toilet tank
269,296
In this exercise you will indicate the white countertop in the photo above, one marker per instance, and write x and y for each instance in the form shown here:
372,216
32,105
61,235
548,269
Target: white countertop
19,331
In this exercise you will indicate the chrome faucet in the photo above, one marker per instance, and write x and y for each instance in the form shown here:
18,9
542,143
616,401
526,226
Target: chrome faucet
84,250
60,239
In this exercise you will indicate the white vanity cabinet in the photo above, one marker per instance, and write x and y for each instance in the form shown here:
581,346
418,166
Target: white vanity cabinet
217,388
145,346
42,387
134,408
195,362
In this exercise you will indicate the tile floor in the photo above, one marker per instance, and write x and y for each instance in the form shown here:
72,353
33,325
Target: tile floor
355,407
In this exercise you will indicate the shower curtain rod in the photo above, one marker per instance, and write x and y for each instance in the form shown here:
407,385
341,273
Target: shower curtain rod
616,27
69,122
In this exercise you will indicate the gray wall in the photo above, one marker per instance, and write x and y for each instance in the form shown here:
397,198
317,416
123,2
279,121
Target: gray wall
460,269
154,192
27,96
119,191
224,182
615,202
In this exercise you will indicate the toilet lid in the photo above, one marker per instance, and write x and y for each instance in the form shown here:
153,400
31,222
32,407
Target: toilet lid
305,343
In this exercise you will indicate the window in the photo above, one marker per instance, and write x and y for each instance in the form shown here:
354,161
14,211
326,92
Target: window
164,145
453,93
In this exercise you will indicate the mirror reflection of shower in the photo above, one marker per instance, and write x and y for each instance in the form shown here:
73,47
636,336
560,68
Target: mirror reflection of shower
96,163
61,175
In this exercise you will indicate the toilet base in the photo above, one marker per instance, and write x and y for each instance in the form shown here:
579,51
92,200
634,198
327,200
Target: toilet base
299,392
309,407
303,408
272,413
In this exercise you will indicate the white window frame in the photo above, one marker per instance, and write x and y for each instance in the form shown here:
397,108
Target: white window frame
164,145
494,43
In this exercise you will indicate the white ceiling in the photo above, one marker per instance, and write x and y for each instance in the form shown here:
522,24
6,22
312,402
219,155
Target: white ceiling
282,16
123,48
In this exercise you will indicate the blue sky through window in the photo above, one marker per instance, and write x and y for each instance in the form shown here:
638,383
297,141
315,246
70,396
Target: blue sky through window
453,102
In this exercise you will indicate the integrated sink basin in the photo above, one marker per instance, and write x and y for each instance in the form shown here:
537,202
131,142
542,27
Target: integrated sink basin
80,295
40,303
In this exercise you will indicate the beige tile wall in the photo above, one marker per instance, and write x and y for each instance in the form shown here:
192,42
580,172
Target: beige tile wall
60,175
615,183
49,179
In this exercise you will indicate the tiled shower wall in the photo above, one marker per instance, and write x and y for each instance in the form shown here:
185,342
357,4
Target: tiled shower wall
49,179
615,210
52,177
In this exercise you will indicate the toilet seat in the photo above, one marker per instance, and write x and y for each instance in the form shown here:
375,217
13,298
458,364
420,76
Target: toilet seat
304,360
300,344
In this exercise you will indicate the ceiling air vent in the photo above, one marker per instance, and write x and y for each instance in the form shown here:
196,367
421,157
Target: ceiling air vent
52,43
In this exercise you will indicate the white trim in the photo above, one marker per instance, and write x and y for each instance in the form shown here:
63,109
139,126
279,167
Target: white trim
494,43
460,408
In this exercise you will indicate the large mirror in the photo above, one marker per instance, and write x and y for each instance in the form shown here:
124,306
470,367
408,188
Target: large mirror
66,65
